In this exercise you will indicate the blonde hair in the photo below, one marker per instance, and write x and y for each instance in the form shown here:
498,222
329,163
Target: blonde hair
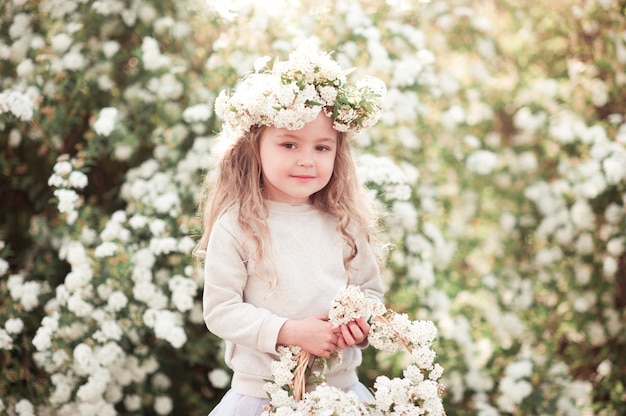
239,183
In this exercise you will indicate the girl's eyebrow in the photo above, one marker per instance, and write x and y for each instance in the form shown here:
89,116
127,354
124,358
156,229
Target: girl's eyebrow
296,137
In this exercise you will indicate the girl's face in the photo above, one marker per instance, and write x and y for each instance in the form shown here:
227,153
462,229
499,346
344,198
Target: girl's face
298,163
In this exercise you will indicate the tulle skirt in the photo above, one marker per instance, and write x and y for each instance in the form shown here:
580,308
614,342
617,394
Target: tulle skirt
235,404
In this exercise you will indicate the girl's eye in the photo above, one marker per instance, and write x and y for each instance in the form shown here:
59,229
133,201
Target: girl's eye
289,145
323,148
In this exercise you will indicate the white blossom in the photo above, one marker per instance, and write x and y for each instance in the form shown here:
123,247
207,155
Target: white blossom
163,405
105,124
14,325
219,378
16,103
61,42
6,342
482,162
132,402
24,408
197,113
117,301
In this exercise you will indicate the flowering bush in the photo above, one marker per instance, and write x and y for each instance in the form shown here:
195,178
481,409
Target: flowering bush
418,392
499,157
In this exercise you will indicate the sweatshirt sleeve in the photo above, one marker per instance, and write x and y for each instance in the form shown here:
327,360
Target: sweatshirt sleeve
225,311
365,270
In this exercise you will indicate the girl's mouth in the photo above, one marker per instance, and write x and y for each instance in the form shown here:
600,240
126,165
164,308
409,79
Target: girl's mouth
303,178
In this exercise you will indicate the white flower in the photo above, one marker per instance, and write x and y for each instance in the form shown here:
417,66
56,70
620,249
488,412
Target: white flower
582,215
406,213
79,306
68,200
14,325
167,326
96,385
382,171
109,353
26,293
61,42
219,378
423,357
77,179
62,168
152,58
157,227
108,330
6,342
167,202
49,325
105,124
117,301
85,362
197,113
163,405
74,60
106,249
138,221
63,388
615,246
17,103
25,68
482,162
4,267
166,87
110,48
163,245
615,167
183,292
350,304
132,402
329,400
24,408
519,369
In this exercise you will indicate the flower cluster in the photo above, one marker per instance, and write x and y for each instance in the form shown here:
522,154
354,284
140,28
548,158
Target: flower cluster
66,178
292,93
350,304
16,103
418,392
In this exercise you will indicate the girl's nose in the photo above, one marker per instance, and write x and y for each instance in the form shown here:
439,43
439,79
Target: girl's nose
305,161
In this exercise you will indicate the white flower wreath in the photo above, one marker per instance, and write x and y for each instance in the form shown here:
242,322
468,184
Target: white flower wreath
291,93
417,393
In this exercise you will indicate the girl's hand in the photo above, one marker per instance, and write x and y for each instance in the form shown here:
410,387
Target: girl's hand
353,333
314,335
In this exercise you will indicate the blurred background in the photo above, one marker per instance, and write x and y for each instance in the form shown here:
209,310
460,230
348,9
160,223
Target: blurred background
500,160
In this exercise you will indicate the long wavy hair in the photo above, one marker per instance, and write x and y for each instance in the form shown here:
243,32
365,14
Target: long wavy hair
239,183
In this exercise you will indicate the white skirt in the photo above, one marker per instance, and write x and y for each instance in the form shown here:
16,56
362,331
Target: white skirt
235,404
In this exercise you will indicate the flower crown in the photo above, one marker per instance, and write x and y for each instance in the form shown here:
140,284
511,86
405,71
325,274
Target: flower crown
291,93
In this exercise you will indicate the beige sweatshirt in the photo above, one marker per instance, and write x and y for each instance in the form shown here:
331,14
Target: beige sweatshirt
239,307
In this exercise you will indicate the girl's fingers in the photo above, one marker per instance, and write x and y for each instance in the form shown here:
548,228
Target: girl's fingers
347,335
341,343
365,327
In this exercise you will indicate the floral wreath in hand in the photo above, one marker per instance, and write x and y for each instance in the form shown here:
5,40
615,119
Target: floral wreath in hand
417,393
291,93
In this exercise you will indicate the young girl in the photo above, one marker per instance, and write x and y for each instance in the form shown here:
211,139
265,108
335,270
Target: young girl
285,223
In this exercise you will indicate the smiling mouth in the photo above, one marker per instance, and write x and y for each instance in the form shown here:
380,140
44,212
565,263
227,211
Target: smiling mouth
303,178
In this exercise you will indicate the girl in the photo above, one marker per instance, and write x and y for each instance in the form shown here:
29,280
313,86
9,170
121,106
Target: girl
285,224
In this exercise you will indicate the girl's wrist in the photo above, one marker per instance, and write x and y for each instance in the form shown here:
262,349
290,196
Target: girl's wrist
286,334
